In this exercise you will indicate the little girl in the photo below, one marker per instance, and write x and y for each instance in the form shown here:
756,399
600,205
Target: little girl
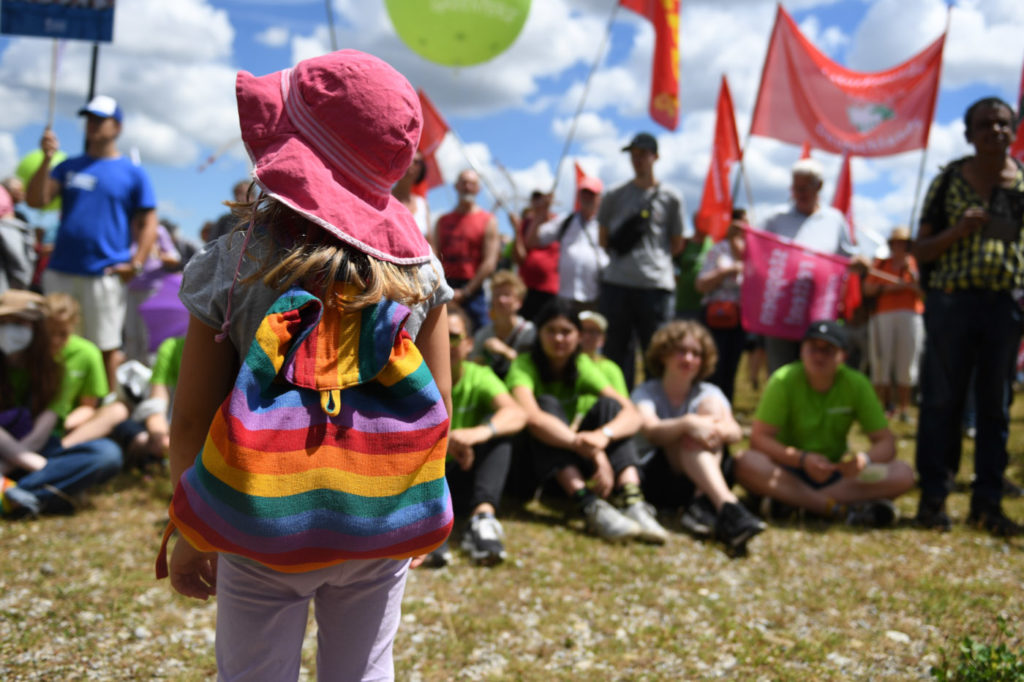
328,138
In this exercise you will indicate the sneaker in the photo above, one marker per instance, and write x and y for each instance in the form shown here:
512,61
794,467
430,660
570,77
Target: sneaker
735,526
872,514
18,502
931,514
992,519
646,517
699,518
439,558
482,540
609,523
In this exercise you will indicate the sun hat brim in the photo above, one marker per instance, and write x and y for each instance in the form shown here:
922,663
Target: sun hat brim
291,170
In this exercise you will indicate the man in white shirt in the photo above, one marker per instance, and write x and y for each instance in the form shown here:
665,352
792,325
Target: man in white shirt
806,223
581,258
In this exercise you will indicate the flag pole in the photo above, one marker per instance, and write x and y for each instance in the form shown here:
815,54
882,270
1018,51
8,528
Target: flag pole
52,106
498,199
583,96
924,152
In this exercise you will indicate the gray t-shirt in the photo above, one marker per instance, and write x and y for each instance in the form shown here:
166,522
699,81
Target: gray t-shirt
209,274
825,230
650,395
649,264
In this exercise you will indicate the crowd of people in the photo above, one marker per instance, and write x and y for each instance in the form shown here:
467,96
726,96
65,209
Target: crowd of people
547,394
349,366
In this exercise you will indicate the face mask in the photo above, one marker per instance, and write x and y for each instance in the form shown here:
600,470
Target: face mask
14,338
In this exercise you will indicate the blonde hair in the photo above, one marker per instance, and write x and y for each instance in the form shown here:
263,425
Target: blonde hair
507,278
307,254
670,337
62,309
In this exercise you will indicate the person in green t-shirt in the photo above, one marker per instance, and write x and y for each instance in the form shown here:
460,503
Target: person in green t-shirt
799,454
42,381
581,428
593,326
484,419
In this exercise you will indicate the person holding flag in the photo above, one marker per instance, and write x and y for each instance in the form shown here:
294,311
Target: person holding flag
809,224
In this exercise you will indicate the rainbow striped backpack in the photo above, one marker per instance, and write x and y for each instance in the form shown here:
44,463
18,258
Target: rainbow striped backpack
330,447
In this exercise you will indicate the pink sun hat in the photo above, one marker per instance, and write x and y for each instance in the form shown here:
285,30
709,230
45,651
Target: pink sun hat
328,138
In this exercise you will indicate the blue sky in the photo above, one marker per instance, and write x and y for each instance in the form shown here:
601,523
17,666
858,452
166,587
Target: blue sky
172,66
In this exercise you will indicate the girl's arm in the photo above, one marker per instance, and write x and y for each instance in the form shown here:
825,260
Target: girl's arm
208,371
432,341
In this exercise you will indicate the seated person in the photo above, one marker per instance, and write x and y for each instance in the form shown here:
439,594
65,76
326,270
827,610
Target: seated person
44,374
145,436
799,454
484,417
499,342
690,422
580,428
593,326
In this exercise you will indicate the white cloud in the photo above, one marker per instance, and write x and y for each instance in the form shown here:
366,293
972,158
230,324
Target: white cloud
8,155
167,67
274,36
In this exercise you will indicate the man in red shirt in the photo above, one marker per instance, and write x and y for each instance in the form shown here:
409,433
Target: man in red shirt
467,244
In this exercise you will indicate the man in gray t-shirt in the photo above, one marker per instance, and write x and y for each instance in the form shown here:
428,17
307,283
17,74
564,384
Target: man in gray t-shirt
637,287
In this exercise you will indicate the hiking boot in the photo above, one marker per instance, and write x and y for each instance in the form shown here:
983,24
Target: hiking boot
645,516
699,518
482,540
439,558
992,519
931,514
872,514
607,522
735,526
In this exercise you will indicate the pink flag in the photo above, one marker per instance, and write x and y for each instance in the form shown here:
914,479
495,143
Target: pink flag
806,97
785,287
843,199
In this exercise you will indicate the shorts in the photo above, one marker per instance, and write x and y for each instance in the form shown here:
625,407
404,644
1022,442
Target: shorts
103,302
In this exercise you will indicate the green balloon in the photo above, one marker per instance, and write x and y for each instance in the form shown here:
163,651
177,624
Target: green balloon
458,32
27,168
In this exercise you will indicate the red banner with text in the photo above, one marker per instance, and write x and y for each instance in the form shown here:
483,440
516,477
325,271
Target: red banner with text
805,97
664,16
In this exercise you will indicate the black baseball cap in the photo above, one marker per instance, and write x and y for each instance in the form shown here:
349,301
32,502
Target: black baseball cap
827,330
643,141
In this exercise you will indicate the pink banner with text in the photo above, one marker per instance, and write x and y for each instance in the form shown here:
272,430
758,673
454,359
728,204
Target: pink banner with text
786,286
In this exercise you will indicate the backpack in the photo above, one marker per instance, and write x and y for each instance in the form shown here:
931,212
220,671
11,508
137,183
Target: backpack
330,446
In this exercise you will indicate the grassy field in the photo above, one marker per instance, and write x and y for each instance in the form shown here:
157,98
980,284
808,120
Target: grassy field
811,602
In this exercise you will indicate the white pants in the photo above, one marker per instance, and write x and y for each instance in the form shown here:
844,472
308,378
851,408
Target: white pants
262,614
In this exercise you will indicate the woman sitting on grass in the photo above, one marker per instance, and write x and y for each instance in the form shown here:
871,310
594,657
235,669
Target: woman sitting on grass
689,422
45,389
580,428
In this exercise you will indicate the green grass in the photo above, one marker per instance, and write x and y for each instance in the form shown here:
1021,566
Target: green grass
812,602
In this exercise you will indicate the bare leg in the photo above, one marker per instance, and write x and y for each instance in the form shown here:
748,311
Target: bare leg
112,359
704,468
760,475
570,479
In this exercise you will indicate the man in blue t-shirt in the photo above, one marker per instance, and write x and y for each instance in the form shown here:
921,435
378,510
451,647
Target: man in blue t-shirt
107,202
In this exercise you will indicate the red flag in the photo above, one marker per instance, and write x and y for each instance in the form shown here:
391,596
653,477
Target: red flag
580,174
1017,148
843,199
806,97
664,15
805,151
716,205
434,130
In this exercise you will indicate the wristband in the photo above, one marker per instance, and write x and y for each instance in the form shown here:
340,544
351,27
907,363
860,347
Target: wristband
803,457
867,459
608,433
490,425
